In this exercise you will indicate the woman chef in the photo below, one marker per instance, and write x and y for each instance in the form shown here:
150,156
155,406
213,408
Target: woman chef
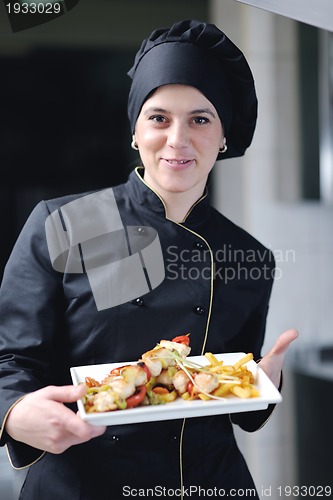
103,276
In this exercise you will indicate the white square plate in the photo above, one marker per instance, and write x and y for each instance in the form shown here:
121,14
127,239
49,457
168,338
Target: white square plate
179,408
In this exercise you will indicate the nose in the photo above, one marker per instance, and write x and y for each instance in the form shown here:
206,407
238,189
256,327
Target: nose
178,136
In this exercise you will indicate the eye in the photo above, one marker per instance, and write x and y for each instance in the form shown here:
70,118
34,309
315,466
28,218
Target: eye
158,119
200,120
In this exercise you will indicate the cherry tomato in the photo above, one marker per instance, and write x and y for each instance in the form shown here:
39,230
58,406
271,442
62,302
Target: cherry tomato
190,388
137,397
182,339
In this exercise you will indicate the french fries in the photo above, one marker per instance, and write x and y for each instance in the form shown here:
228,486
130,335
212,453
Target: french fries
236,379
243,360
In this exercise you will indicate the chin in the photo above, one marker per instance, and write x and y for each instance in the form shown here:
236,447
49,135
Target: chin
178,188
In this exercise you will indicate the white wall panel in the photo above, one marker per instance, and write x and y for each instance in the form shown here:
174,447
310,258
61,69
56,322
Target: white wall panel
315,12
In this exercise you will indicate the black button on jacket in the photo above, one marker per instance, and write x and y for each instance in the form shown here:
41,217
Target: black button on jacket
216,287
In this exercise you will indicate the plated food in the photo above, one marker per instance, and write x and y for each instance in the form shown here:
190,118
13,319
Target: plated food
166,373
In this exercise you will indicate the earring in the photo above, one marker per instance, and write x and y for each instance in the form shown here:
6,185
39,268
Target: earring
134,145
224,149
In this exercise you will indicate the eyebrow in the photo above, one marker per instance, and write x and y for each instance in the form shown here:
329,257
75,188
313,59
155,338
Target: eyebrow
194,112
203,110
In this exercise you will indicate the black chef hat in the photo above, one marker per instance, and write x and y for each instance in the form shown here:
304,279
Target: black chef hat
199,54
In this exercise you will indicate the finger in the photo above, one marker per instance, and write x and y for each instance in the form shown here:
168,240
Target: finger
72,421
82,430
71,430
65,393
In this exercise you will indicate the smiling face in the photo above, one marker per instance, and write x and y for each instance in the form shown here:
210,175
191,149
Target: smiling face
178,133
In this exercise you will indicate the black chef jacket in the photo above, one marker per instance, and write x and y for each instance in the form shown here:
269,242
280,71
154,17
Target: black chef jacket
217,285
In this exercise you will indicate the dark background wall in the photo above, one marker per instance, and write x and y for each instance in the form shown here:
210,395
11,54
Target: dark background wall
63,92
64,127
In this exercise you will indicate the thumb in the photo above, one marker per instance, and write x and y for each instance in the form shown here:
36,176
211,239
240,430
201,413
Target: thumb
65,393
272,362
283,342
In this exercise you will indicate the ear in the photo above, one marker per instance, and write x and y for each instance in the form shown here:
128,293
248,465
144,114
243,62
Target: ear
224,147
134,143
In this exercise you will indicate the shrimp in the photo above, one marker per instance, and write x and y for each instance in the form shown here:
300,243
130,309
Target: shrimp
180,381
153,363
125,387
166,377
104,401
125,381
205,382
122,387
157,359
182,349
135,374
91,382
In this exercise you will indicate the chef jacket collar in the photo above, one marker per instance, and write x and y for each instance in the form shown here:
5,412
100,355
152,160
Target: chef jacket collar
145,196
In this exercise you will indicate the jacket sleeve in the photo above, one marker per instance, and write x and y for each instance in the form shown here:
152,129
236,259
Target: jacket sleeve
250,339
30,328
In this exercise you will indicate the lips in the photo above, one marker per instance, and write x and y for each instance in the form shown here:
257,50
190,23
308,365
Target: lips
177,163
